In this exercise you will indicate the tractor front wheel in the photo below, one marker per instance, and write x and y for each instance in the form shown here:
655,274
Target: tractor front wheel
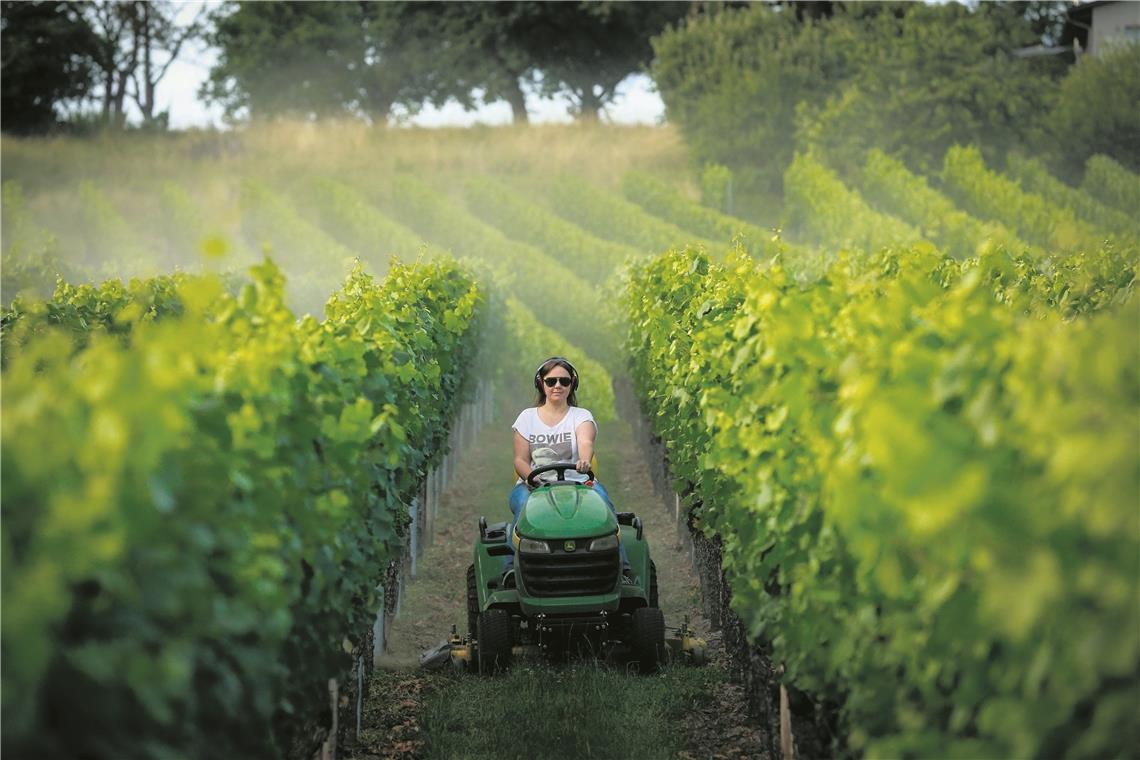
472,604
647,642
495,641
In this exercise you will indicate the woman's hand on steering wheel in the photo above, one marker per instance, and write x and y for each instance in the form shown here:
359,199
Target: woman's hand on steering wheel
560,469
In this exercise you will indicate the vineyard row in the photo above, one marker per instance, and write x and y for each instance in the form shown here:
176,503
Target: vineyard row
923,475
202,495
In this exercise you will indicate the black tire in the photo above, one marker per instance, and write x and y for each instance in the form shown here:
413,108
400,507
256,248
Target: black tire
472,604
495,641
653,585
647,640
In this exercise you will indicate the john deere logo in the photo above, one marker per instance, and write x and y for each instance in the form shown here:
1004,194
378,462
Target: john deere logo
569,546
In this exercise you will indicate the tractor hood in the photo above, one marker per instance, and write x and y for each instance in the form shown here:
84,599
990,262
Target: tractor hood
566,511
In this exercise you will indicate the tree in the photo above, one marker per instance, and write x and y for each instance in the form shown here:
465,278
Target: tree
1096,110
318,59
160,41
137,41
748,87
732,80
585,50
579,49
933,77
115,58
45,61
480,56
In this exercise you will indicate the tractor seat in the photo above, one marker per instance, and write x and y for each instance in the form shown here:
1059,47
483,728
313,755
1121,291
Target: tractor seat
495,533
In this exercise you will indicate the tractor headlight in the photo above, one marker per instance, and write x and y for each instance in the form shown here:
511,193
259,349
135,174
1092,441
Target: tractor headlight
531,546
604,543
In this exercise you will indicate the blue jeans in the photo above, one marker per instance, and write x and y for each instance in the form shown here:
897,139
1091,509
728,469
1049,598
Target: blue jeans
517,501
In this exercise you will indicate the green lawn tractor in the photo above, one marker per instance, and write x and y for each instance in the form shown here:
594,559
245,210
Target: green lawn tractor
568,591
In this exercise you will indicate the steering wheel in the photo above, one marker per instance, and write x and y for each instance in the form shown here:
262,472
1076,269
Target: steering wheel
558,467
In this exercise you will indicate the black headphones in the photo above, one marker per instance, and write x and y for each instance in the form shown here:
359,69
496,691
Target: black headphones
562,360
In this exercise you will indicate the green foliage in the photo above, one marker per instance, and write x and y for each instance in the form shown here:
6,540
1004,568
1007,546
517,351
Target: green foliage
309,255
31,263
716,187
585,50
732,80
818,205
480,48
923,473
521,218
581,51
748,87
47,60
1112,183
893,188
612,217
360,59
928,77
318,59
1095,112
81,311
177,191
197,511
552,290
991,195
1035,178
350,218
109,242
663,201
192,237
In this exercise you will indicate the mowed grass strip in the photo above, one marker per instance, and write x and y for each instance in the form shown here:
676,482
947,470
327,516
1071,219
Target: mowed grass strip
582,710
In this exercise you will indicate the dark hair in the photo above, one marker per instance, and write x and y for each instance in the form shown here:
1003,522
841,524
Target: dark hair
545,368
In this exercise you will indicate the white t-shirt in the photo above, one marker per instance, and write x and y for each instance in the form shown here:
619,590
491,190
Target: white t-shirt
558,443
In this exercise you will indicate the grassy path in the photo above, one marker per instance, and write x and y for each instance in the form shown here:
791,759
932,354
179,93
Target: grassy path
537,710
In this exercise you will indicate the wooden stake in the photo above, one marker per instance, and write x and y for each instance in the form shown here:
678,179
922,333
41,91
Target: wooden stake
787,741
328,749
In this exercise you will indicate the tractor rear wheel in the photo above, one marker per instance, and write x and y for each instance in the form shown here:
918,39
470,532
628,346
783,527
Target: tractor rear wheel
472,604
653,585
495,641
647,643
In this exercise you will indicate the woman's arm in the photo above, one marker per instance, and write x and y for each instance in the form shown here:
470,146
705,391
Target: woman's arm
585,434
522,456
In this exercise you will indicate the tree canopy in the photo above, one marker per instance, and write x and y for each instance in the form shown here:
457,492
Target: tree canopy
46,51
314,59
1096,110
317,59
934,76
748,87
585,50
64,55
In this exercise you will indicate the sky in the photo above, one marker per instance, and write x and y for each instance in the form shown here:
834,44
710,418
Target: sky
637,102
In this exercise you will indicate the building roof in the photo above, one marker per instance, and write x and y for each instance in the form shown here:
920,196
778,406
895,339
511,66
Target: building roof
1083,11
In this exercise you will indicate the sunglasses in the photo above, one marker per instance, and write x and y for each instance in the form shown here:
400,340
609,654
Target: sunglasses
552,381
